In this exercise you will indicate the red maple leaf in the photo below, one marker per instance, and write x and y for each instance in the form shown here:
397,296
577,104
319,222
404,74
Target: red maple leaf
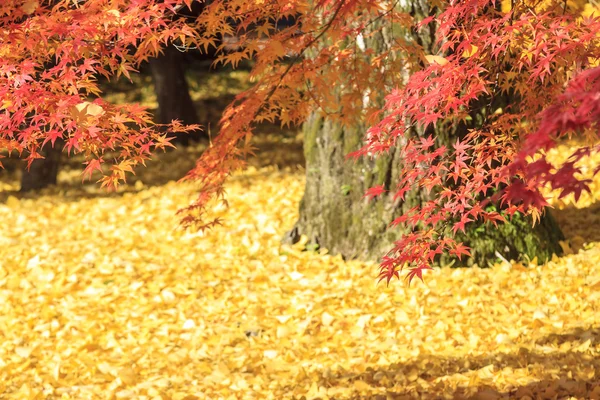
374,191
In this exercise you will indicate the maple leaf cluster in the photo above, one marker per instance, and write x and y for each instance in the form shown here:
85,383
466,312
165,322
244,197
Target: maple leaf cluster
471,111
51,53
524,56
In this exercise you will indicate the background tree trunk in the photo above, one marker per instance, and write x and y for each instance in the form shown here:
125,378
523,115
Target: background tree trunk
43,172
334,214
172,91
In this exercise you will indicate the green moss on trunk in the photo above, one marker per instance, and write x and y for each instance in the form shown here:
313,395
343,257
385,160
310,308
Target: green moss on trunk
335,215
515,240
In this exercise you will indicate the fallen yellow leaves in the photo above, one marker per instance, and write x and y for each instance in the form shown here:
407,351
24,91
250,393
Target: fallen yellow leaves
100,297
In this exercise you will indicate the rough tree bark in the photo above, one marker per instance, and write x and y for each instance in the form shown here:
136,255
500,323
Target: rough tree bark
334,214
172,91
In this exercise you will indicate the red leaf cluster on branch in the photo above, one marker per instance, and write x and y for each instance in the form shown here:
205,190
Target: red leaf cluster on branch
50,56
525,54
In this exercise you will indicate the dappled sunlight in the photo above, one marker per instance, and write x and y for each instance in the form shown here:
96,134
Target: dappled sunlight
104,295
101,295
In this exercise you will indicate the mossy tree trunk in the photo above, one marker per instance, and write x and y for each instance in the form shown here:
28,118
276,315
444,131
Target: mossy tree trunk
333,211
335,215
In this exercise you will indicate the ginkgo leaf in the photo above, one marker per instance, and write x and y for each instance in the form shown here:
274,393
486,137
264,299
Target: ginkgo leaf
470,52
84,109
114,12
432,59
94,110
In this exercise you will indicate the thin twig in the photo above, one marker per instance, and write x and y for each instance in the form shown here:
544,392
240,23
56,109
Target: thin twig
313,41
379,17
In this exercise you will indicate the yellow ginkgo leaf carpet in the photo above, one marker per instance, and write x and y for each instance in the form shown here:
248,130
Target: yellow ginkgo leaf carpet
101,297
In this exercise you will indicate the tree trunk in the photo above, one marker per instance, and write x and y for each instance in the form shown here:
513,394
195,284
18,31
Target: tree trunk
172,92
333,211
43,172
334,214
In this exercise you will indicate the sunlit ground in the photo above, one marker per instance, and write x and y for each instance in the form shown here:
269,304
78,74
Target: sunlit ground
101,296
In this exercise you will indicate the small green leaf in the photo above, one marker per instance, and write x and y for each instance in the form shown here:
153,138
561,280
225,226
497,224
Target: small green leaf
312,247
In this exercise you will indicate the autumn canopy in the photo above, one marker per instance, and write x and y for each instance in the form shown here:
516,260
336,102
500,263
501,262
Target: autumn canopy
473,111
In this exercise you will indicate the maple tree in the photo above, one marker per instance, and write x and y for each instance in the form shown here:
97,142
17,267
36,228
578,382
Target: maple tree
465,109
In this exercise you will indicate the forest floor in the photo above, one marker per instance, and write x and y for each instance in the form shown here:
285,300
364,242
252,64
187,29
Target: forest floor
101,296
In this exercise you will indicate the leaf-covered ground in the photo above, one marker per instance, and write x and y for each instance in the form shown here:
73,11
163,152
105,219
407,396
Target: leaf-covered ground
102,297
